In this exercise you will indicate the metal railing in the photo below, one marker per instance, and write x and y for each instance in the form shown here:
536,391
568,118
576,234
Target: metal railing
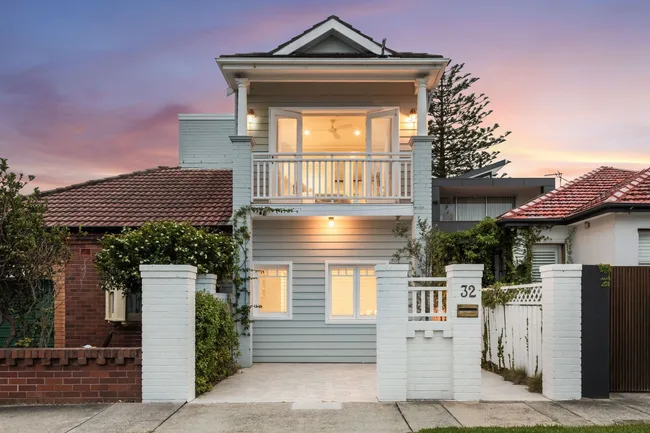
332,177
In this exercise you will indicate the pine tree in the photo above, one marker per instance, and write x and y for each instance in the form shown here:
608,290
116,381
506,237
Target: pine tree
461,141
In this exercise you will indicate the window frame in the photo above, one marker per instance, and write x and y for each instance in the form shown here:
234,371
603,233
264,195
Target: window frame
255,297
356,293
641,232
454,203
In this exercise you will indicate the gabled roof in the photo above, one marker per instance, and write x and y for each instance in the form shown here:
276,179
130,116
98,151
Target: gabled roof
360,45
198,196
602,188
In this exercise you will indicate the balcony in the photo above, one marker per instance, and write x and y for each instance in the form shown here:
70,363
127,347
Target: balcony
332,178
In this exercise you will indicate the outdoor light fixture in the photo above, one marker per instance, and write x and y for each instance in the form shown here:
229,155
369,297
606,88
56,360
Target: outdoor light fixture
307,132
251,116
331,222
357,132
413,115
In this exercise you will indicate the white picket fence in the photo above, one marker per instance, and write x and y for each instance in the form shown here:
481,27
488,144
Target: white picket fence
519,326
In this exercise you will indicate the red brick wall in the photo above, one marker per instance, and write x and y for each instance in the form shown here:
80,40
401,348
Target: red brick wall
53,376
85,305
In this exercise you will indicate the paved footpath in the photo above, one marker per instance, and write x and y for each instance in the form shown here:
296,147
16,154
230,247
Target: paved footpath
307,417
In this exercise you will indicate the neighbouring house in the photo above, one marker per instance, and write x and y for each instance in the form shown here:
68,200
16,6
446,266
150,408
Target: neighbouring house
200,197
600,217
460,202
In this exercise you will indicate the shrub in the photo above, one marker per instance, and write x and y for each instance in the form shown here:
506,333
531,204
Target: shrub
217,342
515,375
161,243
535,383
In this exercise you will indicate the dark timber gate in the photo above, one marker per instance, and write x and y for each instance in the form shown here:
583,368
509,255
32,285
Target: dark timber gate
630,329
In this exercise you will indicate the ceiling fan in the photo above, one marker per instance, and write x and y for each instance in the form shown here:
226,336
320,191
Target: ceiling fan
334,130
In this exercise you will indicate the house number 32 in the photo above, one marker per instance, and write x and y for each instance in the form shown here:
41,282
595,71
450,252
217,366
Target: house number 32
468,291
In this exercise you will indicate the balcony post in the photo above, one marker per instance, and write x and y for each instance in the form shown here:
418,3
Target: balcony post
242,106
421,84
421,188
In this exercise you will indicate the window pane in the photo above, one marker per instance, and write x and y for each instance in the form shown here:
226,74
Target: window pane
342,281
272,284
447,209
287,138
499,205
470,208
367,292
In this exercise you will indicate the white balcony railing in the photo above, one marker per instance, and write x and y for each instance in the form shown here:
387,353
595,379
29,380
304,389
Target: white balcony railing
332,177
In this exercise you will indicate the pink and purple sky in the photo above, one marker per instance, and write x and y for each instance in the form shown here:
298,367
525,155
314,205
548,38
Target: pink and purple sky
90,89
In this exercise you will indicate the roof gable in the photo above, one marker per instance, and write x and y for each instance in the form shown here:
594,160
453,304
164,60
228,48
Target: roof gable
330,35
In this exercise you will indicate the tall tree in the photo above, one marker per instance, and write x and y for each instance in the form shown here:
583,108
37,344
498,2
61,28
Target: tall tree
461,139
31,255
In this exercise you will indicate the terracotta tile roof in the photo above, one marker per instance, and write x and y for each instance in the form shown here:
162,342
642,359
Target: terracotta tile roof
199,196
598,187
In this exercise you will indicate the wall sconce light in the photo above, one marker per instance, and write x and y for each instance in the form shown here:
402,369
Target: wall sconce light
251,116
587,224
357,132
307,132
413,115
331,222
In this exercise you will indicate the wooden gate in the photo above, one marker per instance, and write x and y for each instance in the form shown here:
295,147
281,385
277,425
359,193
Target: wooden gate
630,329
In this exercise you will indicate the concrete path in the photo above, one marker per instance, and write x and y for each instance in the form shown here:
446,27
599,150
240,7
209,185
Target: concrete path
323,417
495,388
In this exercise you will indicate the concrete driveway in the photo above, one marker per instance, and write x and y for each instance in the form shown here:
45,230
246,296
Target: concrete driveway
326,418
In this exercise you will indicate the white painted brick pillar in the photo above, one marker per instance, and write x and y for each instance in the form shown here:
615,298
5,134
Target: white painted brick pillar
242,196
422,206
392,320
464,282
206,283
168,332
561,331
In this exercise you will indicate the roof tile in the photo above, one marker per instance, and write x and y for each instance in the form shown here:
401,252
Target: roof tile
200,197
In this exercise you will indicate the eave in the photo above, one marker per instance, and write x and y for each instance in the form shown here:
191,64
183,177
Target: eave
577,217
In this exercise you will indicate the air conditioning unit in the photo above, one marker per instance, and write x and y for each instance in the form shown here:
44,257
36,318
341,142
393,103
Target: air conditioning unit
115,306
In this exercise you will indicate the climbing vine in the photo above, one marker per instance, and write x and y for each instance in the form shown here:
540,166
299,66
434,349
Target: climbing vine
526,238
568,244
241,270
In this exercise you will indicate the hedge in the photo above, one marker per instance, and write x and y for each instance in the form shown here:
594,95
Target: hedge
217,343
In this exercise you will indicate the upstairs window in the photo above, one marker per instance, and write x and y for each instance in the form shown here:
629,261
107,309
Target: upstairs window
474,208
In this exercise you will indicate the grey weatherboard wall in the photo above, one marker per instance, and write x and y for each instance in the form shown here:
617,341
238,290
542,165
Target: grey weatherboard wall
204,141
309,243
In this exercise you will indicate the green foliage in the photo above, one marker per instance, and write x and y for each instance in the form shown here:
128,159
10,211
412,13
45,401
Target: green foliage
161,243
535,383
568,244
606,270
461,139
517,376
434,249
217,342
31,254
486,343
500,357
241,272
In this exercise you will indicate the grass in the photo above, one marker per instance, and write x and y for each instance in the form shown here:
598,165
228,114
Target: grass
535,383
634,428
517,376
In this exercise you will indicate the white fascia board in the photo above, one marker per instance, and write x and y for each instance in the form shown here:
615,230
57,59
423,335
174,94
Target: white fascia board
379,211
205,116
327,26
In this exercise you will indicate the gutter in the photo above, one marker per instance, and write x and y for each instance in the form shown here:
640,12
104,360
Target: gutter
589,213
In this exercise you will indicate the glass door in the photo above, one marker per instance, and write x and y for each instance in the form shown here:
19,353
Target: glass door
382,137
286,126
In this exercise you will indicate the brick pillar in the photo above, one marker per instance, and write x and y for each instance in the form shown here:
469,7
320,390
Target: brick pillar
206,283
561,331
242,196
59,307
392,319
464,283
422,206
168,332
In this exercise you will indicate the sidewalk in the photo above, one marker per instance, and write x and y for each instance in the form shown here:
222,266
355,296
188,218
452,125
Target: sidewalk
307,417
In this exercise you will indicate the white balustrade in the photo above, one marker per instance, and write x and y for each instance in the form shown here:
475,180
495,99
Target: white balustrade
332,177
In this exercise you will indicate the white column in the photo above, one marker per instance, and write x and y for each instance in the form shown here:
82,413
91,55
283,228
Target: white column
422,206
392,320
168,332
242,106
206,283
562,331
421,84
464,282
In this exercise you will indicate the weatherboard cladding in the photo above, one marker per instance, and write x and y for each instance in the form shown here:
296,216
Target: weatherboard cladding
309,243
205,143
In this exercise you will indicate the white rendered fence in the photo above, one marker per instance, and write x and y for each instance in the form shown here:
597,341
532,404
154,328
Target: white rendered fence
515,330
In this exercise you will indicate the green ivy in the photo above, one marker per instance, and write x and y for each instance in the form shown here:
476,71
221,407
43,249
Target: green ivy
217,343
161,243
606,270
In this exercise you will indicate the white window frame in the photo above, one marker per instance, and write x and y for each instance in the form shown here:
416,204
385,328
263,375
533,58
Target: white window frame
328,293
258,315
298,113
642,233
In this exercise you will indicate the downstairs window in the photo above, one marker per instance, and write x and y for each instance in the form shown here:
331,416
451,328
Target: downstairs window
351,293
272,290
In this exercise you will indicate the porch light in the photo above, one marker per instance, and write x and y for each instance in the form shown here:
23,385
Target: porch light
413,115
251,116
357,132
331,222
307,132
